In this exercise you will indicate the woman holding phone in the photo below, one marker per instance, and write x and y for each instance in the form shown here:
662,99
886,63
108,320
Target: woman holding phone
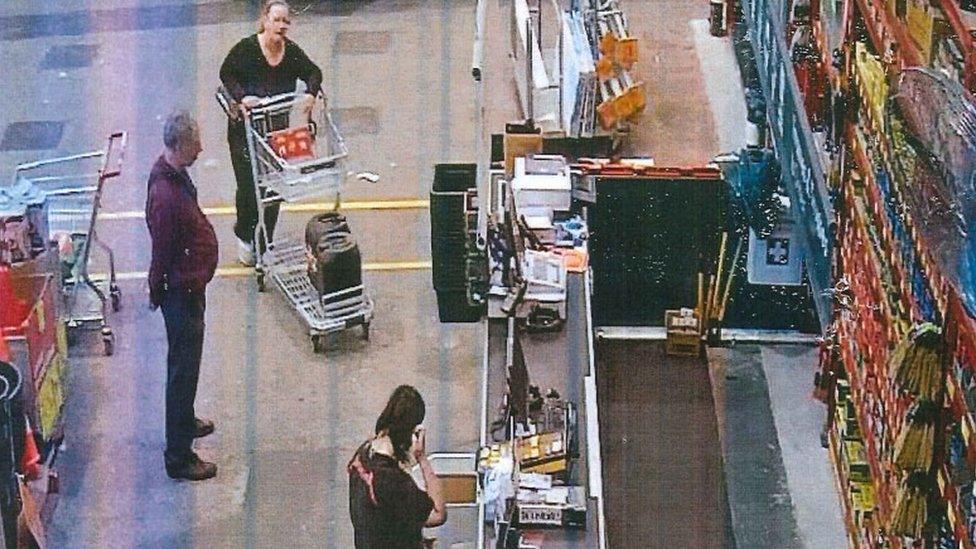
387,507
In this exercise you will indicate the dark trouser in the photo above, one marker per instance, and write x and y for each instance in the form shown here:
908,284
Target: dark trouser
183,313
246,201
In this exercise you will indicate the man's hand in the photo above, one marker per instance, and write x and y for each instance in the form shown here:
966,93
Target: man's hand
156,295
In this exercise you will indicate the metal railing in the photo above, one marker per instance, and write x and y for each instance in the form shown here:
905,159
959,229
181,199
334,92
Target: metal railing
803,172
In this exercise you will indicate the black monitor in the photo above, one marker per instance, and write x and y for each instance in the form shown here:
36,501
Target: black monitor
518,382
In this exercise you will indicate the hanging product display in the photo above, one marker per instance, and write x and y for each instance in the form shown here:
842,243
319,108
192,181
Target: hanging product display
916,443
916,363
911,507
904,283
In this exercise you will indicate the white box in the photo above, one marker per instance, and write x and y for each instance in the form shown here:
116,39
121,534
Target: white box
551,190
776,260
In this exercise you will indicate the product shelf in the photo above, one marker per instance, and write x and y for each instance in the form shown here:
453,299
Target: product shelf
845,493
885,31
879,471
957,520
894,280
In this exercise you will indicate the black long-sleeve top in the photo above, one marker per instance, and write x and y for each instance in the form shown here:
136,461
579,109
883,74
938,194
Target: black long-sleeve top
246,71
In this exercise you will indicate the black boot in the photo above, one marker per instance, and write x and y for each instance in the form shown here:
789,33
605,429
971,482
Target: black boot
193,468
203,427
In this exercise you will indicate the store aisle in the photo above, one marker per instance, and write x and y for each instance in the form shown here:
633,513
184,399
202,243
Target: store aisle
799,418
781,486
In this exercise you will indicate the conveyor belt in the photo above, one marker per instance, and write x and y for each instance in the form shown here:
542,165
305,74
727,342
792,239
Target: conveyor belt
662,461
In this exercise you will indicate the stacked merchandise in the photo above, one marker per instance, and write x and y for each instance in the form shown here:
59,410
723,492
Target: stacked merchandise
916,366
579,78
938,32
23,238
453,225
903,429
855,474
903,326
620,98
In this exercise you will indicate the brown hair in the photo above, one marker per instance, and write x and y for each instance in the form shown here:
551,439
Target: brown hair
404,411
266,8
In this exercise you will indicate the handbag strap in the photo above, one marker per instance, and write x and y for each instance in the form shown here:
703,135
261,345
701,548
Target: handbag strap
358,466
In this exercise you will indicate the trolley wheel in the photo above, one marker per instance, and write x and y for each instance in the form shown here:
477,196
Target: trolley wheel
108,340
366,331
262,286
318,344
116,295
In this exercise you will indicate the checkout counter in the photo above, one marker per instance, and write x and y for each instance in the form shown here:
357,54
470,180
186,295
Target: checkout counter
562,361
538,471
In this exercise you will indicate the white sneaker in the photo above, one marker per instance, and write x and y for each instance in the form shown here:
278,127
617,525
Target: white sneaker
245,253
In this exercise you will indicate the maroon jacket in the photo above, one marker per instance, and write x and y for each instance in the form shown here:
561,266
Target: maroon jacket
184,245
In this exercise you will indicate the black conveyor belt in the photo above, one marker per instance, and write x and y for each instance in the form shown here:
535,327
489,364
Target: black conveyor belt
662,460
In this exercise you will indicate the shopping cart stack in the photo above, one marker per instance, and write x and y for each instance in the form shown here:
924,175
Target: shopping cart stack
297,153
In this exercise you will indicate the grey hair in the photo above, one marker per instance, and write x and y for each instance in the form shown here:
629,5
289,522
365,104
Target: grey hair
179,129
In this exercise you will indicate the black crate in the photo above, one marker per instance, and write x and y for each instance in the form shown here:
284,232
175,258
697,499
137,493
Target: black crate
447,214
449,274
448,258
454,177
452,245
453,306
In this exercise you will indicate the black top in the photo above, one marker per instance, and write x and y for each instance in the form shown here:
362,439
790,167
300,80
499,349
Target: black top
391,515
246,71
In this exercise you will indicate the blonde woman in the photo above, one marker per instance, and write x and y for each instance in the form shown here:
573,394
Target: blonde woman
261,65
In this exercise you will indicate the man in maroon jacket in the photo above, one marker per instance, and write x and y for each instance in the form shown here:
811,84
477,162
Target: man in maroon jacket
184,258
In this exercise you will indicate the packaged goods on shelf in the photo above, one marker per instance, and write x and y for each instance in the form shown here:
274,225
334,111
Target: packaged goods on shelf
872,81
558,506
857,463
918,19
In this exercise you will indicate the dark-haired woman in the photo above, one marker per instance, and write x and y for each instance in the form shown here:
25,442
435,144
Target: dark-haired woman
259,66
387,507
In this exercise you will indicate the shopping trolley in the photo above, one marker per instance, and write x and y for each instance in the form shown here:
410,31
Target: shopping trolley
73,187
297,153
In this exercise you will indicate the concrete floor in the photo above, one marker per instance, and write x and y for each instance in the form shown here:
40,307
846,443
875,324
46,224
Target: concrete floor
397,73
287,419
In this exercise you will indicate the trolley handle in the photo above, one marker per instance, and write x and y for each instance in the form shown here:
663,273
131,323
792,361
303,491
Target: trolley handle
114,151
27,166
275,100
116,145
282,101
226,102
231,108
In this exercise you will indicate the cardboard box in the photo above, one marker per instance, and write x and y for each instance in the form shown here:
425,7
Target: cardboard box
683,334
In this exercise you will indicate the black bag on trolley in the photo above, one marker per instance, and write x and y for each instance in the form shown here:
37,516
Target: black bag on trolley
334,261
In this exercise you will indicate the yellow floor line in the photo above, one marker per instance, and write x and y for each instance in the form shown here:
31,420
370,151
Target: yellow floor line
240,270
299,207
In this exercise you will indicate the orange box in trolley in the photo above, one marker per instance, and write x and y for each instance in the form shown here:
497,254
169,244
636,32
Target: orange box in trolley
293,143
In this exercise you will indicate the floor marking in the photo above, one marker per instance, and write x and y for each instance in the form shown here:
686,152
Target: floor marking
300,207
240,270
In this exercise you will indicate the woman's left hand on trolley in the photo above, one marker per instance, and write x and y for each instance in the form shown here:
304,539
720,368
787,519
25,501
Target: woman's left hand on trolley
250,101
